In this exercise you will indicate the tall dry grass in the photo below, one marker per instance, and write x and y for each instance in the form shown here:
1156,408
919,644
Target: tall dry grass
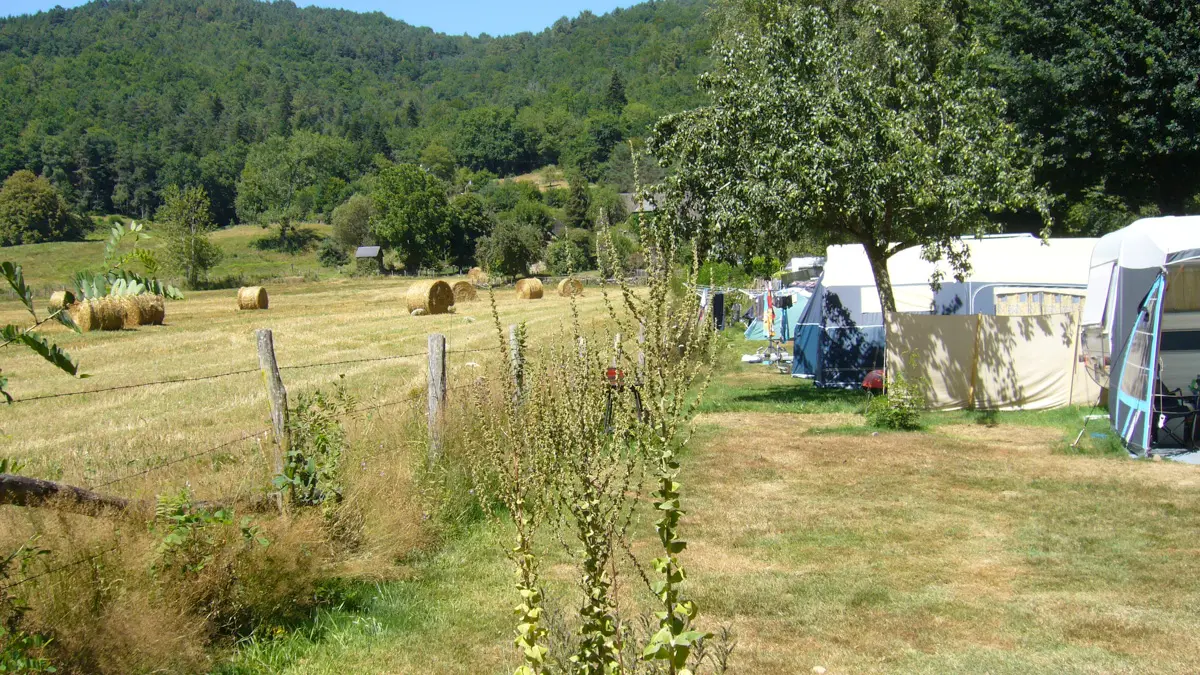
124,611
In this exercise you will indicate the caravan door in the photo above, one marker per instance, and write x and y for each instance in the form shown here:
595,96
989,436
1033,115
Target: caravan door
1133,412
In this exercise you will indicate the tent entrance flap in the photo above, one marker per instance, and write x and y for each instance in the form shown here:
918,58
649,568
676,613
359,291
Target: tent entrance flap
1133,396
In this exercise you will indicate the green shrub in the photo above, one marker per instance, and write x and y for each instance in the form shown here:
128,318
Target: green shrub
899,409
331,254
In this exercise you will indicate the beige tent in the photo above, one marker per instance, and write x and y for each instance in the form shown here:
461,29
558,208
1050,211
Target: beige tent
991,362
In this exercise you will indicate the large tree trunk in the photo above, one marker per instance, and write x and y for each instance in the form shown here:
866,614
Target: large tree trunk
877,254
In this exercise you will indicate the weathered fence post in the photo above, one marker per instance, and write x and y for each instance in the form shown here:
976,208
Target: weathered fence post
437,394
277,395
517,357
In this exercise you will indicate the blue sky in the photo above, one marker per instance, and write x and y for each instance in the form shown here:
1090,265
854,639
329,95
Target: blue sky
446,16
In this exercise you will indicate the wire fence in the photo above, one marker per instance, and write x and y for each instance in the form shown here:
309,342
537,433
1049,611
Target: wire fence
358,412
244,371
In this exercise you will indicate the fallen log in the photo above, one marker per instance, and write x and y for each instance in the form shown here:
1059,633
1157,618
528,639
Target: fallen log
39,493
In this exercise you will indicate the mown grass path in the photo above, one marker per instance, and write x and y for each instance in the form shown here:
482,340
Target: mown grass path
969,547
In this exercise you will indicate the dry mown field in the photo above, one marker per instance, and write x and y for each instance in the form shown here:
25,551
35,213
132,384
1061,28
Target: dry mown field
95,438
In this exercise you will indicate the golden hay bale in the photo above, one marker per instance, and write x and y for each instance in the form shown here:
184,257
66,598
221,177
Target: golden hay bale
112,314
568,287
529,289
84,315
132,310
464,291
477,276
252,297
98,314
144,309
154,308
434,296
61,300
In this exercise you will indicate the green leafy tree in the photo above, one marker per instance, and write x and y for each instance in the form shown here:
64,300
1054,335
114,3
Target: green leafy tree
578,201
533,213
487,138
411,214
564,256
852,122
184,222
32,211
1109,90
283,174
470,220
510,249
436,158
352,221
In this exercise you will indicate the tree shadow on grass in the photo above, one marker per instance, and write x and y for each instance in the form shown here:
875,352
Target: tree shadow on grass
791,397
298,240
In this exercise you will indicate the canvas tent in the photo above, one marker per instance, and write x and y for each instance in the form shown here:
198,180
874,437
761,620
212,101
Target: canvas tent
1141,320
784,321
841,336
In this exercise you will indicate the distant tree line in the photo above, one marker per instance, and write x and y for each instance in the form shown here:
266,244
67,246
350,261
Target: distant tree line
115,101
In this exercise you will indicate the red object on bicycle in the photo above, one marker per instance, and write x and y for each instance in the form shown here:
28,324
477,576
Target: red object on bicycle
873,381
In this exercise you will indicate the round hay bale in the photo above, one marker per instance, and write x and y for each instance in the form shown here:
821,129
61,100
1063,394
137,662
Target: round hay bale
112,313
61,300
98,314
529,289
464,291
568,287
133,310
144,309
434,296
154,308
477,276
252,297
84,315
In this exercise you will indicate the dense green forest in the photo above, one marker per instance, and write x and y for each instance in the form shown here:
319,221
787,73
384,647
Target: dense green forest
115,101
118,99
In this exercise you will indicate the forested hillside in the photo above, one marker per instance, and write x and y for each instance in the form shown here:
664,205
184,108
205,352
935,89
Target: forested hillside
118,99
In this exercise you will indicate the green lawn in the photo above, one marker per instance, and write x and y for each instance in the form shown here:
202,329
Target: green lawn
975,545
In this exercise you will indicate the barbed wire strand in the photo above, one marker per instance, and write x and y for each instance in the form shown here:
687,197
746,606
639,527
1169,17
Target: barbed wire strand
136,386
57,569
184,458
201,378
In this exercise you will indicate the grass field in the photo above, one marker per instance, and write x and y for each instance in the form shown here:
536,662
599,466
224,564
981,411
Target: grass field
978,545
91,438
49,266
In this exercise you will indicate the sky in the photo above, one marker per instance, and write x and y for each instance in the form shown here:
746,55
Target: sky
445,16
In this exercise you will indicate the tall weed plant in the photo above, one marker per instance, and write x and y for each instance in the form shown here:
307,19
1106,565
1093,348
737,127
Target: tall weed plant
576,436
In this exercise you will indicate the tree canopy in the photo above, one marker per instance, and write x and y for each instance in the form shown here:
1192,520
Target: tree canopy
845,122
412,215
113,101
1108,89
32,211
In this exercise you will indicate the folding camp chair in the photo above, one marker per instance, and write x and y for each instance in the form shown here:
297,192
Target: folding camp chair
1171,405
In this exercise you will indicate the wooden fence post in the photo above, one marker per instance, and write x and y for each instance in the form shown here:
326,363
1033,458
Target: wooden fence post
437,394
277,395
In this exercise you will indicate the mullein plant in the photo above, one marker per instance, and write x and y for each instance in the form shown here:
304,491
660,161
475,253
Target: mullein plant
573,437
